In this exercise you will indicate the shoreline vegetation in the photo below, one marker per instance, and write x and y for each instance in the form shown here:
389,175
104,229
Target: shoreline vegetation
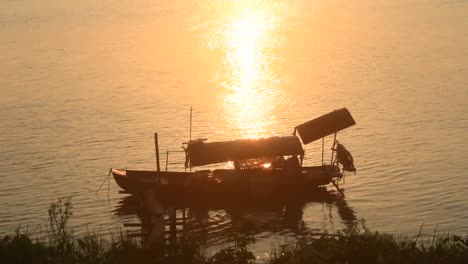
356,245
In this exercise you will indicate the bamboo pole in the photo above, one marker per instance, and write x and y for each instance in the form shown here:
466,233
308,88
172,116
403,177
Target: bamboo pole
323,145
190,133
172,224
156,146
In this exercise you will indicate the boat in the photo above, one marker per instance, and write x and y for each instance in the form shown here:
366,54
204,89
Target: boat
262,167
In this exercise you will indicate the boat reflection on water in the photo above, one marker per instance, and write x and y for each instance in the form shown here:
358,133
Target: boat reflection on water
216,221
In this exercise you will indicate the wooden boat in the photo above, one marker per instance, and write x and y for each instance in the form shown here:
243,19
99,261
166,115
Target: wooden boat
262,167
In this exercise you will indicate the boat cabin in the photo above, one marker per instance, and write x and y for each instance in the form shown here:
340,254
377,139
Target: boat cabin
244,153
275,152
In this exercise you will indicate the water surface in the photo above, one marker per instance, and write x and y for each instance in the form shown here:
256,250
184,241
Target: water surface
85,85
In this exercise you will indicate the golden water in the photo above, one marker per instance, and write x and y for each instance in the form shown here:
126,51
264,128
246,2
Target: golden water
85,85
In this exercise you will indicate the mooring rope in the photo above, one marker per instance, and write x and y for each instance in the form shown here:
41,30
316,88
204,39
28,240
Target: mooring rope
108,179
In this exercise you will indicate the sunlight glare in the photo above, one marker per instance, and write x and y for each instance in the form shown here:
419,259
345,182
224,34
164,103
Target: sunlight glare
250,91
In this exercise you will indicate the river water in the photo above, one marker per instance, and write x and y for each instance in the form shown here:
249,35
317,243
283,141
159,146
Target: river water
85,85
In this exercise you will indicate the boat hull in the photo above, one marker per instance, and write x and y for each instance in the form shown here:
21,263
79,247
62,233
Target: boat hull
225,183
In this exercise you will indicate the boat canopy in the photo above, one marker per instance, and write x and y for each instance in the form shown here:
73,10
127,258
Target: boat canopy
200,153
325,125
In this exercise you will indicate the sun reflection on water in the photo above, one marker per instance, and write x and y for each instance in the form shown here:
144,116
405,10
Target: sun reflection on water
251,87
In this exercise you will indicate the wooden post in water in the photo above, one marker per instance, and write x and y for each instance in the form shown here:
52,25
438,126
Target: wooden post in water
183,218
156,146
172,224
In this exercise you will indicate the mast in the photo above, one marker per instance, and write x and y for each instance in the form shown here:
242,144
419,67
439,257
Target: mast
190,133
156,147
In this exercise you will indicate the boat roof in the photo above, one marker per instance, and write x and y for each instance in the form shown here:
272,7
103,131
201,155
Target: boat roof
201,153
325,125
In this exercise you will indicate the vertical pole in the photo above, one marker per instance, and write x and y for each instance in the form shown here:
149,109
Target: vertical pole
172,225
156,146
167,158
323,144
190,133
333,149
183,217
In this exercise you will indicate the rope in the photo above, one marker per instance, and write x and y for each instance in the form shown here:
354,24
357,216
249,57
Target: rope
107,178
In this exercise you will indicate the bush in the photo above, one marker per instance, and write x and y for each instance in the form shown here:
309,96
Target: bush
354,245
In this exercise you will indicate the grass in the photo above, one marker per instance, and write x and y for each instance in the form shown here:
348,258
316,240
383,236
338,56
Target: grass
356,245
363,246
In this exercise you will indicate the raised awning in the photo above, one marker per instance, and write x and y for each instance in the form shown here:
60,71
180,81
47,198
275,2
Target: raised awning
325,125
201,153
